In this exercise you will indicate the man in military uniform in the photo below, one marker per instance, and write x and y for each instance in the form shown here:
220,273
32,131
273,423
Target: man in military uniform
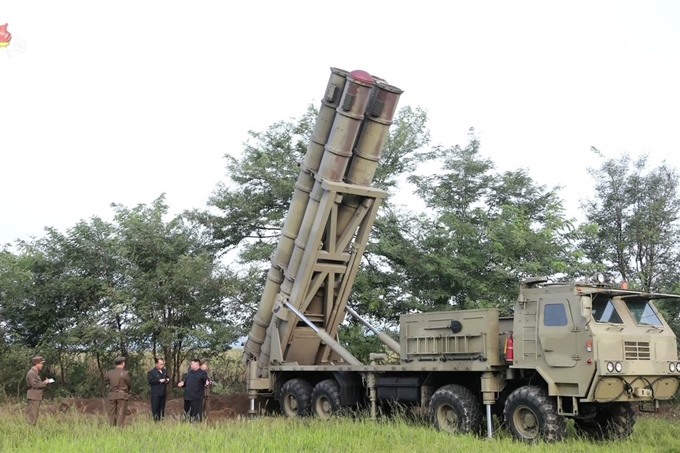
119,389
194,391
208,386
158,380
35,389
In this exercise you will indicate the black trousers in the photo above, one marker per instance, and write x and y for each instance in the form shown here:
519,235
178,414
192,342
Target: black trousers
158,407
193,410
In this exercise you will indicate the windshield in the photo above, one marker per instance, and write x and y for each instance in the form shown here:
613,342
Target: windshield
604,311
643,312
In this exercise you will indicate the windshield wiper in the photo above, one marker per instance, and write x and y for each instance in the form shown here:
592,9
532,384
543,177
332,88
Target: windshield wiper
652,327
611,324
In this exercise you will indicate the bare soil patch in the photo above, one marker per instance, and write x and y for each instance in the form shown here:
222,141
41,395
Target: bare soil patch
221,406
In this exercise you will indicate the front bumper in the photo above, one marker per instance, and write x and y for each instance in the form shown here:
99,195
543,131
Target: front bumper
637,381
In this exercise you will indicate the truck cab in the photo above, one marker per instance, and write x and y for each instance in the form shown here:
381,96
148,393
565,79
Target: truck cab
598,349
595,342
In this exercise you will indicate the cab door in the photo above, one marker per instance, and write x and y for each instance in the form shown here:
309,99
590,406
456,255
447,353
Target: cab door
557,334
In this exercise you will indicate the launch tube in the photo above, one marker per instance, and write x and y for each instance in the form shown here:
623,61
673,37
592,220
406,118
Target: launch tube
298,205
333,165
374,134
310,165
334,161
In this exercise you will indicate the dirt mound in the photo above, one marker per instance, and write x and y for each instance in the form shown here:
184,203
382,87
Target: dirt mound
221,406
237,404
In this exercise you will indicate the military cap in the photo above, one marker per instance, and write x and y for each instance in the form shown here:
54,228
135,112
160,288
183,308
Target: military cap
119,360
36,360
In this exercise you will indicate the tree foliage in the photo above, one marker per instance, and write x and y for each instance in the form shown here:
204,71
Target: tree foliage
633,226
484,232
634,222
253,201
137,284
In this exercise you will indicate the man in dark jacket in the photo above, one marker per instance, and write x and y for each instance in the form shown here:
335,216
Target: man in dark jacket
119,389
35,390
194,391
158,380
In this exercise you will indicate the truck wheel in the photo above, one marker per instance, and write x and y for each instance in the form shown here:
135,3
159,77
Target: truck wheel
295,398
530,414
326,399
455,409
613,421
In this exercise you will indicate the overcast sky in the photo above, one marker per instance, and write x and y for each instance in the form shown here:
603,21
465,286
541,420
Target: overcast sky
125,102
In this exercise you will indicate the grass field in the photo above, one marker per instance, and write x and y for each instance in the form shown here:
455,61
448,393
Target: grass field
80,433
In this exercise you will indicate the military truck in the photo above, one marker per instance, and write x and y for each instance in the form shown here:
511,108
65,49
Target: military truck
583,350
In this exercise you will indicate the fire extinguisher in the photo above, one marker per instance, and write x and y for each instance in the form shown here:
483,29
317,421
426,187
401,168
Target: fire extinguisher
510,348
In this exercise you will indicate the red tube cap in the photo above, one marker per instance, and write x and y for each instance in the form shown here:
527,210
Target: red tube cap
362,76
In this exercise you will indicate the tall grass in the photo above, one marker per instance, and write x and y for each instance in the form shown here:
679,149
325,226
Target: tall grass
79,433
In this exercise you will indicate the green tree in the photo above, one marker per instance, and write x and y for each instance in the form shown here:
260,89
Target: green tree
103,289
633,220
252,204
14,280
633,226
485,231
178,287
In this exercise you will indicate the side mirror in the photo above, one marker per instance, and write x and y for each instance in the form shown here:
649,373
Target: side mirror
586,306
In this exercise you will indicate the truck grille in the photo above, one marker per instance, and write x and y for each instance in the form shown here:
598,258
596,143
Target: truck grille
637,350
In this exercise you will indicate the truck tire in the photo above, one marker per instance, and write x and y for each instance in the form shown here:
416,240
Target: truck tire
531,415
613,421
455,409
296,396
326,399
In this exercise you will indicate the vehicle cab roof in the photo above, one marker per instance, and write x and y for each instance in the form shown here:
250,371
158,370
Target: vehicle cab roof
543,285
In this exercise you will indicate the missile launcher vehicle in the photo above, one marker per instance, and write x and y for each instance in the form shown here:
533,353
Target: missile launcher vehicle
584,350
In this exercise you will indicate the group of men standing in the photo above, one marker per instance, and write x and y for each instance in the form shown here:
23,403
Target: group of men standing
196,384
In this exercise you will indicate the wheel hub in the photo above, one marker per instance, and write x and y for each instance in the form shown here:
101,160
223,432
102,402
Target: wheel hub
447,417
526,422
529,421
292,403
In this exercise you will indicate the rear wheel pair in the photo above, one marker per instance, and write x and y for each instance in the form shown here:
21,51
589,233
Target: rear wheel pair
529,413
299,399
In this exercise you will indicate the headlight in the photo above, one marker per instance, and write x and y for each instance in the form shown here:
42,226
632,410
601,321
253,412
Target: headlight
610,367
677,366
619,367
671,367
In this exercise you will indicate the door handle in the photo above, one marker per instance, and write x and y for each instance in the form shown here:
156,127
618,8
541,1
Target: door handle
548,350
